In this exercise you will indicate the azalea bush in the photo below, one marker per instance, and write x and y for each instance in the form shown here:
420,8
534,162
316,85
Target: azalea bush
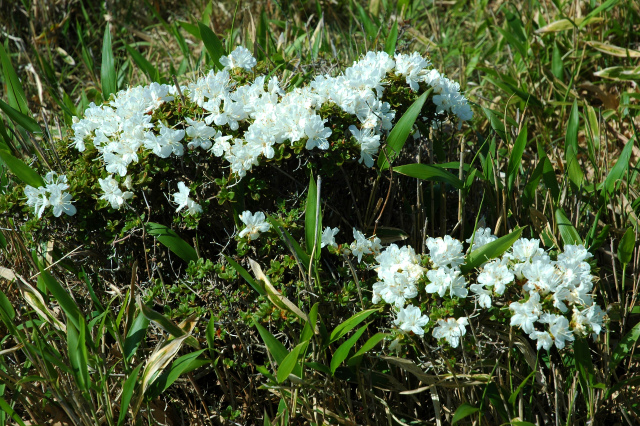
279,237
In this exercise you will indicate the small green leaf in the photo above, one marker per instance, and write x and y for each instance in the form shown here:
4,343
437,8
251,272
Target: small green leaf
568,232
400,132
465,410
108,74
490,251
626,246
172,241
516,157
428,172
571,148
290,362
212,43
349,324
343,350
127,393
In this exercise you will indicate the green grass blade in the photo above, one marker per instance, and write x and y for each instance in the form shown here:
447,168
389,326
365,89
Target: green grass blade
276,349
108,74
400,132
516,157
368,345
557,67
135,336
568,232
429,172
625,347
350,324
8,312
571,148
63,298
463,411
626,246
146,66
172,241
23,172
343,350
15,94
290,362
618,170
180,366
7,409
212,43
392,39
23,120
127,393
166,324
313,230
75,358
246,275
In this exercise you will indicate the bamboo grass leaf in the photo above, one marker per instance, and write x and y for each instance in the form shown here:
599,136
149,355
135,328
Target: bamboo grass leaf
516,157
108,74
127,393
343,350
135,336
15,93
172,241
489,251
571,148
626,246
568,232
350,324
290,362
400,132
23,120
212,43
429,172
465,410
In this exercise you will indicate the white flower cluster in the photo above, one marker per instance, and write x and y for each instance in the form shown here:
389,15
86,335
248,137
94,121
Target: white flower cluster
124,127
551,290
51,194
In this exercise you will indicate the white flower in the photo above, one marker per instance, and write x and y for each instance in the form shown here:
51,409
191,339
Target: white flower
181,198
543,338
410,319
241,57
483,296
255,224
558,328
61,203
328,237
445,251
481,237
37,199
451,329
112,193
316,132
369,144
445,279
525,314
495,274
360,246
200,133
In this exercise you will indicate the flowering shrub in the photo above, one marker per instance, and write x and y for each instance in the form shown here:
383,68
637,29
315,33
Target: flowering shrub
552,298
